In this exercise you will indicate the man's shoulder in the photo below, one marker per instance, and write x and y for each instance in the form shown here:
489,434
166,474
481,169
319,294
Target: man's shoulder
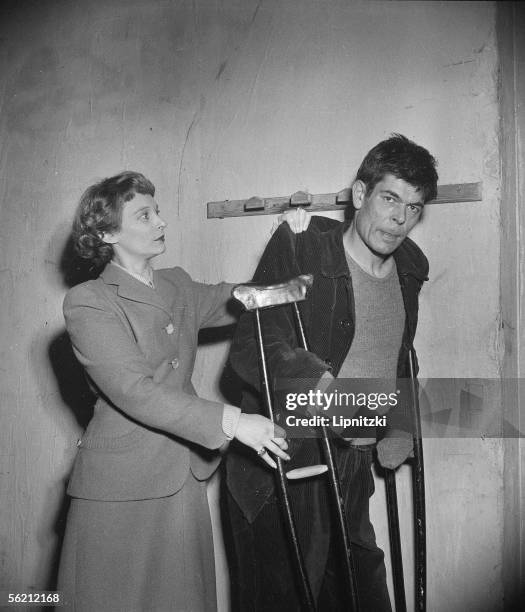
318,227
411,258
323,224
288,254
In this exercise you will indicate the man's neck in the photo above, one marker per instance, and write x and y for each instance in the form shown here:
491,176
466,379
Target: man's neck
373,263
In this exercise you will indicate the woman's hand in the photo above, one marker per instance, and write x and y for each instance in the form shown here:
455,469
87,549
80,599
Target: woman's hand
298,219
262,435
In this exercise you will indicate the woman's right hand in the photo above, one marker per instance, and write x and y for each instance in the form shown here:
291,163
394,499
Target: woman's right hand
259,433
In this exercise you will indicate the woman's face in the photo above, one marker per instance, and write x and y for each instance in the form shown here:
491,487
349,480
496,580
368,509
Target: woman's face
141,234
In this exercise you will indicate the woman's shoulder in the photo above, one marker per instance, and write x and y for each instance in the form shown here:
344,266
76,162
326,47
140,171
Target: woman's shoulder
84,293
175,275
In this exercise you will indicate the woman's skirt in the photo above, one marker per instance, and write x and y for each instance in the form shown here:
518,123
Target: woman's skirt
154,554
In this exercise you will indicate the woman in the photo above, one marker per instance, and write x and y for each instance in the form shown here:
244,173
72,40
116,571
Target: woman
138,534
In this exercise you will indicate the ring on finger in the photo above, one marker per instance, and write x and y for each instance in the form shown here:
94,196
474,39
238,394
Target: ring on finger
261,451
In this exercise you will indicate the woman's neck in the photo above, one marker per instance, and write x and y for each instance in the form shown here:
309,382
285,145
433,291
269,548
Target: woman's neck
141,267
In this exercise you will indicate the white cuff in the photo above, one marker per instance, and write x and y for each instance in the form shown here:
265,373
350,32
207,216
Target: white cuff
230,420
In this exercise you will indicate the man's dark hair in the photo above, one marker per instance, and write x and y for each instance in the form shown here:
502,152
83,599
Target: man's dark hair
403,159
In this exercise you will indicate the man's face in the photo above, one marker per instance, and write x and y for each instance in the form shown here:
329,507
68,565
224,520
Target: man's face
385,217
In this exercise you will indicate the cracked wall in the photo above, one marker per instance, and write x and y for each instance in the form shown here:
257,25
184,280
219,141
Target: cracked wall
228,100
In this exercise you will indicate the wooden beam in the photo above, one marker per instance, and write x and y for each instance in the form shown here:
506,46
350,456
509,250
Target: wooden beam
462,192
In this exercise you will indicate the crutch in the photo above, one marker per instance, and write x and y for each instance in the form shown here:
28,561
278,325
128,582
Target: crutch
395,541
254,298
418,491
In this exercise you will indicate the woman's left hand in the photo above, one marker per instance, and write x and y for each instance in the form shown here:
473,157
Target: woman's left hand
298,219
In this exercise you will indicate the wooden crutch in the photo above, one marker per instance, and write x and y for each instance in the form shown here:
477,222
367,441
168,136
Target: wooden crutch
254,298
418,490
395,541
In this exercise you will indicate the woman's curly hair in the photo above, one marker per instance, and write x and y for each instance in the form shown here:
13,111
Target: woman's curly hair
100,210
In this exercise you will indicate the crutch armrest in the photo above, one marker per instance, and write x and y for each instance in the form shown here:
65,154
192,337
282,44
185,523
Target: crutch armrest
254,296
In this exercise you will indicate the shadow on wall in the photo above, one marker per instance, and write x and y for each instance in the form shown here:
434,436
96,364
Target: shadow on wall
74,269
74,390
57,526
72,383
69,374
79,398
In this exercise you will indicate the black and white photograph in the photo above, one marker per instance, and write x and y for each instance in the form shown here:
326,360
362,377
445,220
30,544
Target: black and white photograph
262,277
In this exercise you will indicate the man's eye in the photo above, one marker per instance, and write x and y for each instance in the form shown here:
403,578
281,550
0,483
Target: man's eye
414,209
388,199
144,216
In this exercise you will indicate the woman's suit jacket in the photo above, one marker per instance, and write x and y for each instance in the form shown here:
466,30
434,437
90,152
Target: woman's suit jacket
138,348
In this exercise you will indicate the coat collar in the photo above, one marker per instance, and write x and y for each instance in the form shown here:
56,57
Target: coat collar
131,288
408,257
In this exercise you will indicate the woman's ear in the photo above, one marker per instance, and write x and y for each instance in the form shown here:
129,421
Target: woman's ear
358,194
108,237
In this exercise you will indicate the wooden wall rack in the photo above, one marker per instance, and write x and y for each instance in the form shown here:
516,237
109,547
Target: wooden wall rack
460,192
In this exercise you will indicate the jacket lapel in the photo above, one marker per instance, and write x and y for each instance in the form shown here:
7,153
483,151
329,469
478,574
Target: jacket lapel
412,274
129,288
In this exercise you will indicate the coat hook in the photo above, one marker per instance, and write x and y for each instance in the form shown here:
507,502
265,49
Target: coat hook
300,198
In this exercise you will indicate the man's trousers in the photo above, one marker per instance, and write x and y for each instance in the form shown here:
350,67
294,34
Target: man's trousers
263,575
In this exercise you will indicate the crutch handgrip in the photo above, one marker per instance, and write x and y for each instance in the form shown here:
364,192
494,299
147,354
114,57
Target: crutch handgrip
306,472
264,296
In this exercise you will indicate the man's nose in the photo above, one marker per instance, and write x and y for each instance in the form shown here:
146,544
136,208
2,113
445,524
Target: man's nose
399,214
160,222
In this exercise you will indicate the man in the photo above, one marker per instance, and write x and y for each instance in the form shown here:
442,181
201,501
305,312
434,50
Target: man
360,317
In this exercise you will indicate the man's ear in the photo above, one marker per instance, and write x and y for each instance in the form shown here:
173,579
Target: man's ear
358,194
108,237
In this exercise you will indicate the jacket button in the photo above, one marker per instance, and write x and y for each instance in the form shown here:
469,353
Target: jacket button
329,362
174,363
344,323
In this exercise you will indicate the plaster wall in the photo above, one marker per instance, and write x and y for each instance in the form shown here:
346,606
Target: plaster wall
217,100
